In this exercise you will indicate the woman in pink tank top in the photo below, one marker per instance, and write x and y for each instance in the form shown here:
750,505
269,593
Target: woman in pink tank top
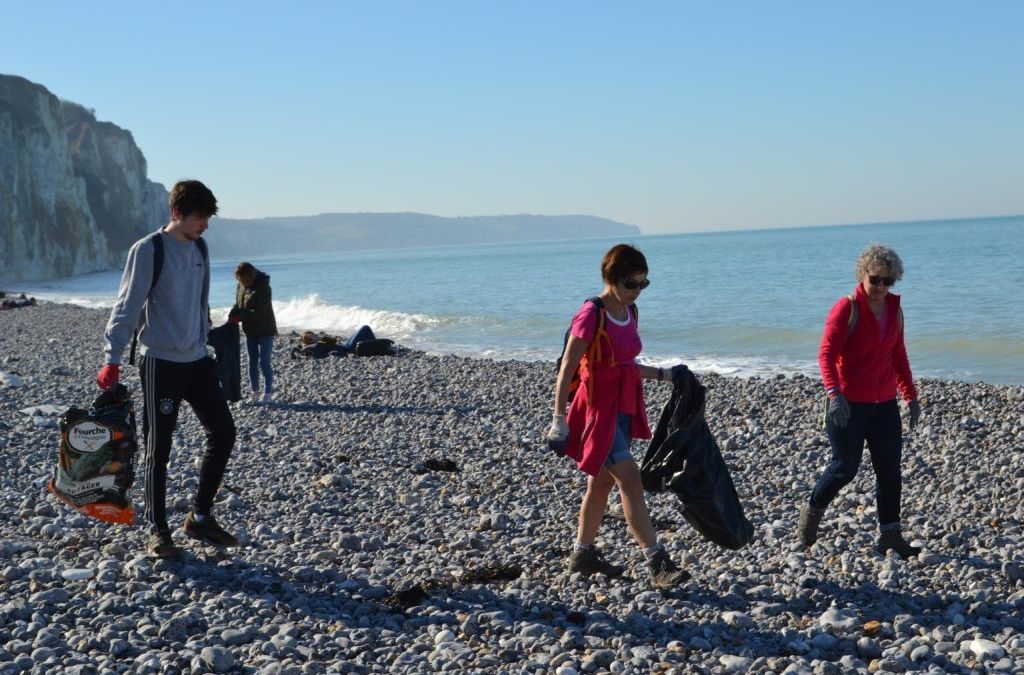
607,412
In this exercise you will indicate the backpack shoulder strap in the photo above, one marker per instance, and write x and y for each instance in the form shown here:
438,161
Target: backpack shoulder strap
158,266
158,257
596,352
851,323
201,243
599,304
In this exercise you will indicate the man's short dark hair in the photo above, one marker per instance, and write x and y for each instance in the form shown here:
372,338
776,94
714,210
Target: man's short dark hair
192,197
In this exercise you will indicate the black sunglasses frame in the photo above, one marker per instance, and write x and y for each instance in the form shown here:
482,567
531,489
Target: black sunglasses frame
885,281
633,285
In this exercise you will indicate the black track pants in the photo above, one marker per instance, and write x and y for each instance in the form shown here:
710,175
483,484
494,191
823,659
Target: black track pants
165,384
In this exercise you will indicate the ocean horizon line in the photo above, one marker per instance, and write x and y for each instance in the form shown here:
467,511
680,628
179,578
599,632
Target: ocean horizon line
643,232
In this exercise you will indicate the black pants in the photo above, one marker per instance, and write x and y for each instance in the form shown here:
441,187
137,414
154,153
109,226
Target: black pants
879,424
164,385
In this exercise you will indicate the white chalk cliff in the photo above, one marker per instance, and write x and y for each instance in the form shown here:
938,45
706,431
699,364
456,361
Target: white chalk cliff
74,194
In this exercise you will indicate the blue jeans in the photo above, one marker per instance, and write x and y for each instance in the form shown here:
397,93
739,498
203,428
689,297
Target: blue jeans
260,350
879,424
620,444
364,333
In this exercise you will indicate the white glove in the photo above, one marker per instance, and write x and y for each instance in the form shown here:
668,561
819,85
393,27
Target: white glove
559,430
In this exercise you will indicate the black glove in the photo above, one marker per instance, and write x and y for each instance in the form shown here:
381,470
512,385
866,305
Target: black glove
915,412
839,410
678,372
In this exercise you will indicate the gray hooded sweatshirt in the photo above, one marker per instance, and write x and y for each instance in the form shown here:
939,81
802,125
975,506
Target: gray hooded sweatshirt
174,317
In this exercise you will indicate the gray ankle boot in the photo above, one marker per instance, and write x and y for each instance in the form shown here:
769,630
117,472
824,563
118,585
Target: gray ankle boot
588,561
891,538
810,519
665,574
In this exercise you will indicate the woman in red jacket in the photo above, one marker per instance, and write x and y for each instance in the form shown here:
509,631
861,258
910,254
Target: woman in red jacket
863,363
607,412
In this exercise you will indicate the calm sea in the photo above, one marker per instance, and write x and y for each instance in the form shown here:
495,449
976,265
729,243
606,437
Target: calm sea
744,303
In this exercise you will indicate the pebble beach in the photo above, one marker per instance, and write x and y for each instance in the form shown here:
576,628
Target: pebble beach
402,514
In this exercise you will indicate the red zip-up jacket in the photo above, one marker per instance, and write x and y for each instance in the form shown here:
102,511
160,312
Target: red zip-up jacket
866,366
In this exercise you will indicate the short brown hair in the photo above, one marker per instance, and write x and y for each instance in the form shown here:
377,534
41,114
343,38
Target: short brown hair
191,196
245,272
622,261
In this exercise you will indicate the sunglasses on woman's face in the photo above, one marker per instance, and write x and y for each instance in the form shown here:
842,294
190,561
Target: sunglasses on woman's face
874,279
631,285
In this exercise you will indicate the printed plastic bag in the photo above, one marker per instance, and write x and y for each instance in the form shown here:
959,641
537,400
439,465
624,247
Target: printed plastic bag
94,462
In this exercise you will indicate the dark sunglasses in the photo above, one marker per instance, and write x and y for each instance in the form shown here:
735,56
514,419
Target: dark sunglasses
633,285
886,281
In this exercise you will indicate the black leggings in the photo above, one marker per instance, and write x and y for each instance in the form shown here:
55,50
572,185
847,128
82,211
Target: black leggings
164,385
879,424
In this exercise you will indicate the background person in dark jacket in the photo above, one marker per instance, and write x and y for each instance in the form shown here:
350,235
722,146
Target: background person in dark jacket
254,308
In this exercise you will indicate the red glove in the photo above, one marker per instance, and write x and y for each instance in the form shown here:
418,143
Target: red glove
235,318
108,376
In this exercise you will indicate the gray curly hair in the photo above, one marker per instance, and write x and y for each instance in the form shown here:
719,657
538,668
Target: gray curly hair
878,256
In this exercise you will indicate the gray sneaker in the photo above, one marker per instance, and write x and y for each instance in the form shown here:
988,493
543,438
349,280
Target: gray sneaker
810,519
588,561
665,574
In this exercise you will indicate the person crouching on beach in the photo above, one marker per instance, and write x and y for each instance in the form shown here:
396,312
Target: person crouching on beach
254,307
174,315
863,362
607,412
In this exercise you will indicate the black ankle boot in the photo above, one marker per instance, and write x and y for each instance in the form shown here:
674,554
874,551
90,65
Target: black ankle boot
892,539
810,519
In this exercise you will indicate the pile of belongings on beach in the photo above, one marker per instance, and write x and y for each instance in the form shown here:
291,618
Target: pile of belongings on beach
362,343
683,458
20,301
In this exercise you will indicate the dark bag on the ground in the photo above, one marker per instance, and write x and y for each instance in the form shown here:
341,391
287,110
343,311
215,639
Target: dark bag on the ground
375,347
684,458
316,350
94,462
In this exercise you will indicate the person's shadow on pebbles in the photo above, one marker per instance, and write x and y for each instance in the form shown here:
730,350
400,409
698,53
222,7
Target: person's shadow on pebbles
930,610
318,408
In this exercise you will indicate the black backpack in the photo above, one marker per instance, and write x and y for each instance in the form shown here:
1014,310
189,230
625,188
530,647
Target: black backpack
158,266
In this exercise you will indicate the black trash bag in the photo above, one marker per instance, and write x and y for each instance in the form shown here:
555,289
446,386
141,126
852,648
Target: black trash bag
94,461
228,354
684,458
374,347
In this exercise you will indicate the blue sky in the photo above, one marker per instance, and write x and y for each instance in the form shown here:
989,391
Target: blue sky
674,116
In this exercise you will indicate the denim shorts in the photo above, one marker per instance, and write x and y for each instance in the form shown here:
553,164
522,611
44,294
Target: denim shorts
620,445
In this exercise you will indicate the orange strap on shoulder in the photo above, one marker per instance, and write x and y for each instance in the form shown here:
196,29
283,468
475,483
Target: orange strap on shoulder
595,353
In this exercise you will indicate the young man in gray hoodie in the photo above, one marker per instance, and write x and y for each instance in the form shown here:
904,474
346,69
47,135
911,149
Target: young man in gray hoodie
172,316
